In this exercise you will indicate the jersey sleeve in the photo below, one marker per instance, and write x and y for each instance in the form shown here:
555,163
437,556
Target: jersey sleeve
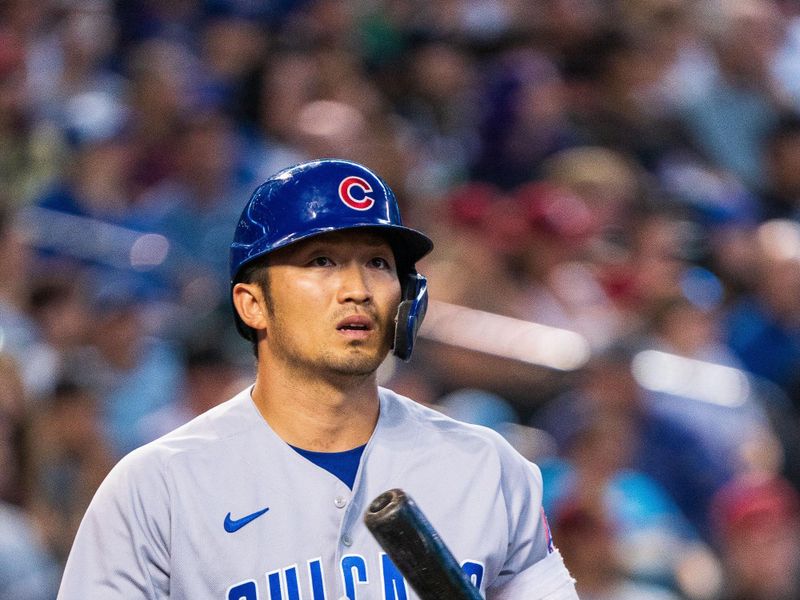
547,579
533,569
121,550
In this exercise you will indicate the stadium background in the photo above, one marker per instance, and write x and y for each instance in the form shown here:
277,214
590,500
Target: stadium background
613,188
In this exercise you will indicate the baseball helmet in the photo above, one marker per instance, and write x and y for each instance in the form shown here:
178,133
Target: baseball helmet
329,195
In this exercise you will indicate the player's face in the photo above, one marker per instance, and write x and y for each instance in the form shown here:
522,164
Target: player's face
332,302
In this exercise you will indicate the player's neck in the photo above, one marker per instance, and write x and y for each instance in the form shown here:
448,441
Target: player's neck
315,413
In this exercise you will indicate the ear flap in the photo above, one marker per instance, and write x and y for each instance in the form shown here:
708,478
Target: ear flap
410,314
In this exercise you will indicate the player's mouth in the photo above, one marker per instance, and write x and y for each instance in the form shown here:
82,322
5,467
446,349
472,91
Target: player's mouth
356,327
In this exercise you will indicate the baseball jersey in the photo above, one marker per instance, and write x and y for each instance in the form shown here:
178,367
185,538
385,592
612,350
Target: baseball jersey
224,509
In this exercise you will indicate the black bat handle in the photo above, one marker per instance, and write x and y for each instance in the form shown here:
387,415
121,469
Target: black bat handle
416,548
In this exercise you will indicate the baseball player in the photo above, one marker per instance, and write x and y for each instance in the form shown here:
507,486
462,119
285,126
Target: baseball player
263,497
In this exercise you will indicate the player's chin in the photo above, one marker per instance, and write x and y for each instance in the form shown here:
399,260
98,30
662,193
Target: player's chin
360,360
355,369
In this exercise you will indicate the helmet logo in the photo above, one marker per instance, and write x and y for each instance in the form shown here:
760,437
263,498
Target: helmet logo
346,193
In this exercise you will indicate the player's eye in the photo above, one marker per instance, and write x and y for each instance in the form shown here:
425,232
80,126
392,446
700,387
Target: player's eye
320,261
380,263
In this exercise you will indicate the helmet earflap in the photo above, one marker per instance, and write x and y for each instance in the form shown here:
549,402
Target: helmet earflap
410,314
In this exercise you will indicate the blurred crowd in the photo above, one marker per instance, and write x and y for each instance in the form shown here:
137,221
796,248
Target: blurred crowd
626,170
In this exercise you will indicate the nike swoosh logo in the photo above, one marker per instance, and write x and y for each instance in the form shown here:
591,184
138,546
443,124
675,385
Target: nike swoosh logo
232,526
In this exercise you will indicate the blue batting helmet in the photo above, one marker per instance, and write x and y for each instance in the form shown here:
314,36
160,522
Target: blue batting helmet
328,195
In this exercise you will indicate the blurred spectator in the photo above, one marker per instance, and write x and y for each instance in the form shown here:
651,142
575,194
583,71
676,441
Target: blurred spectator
757,522
210,378
479,228
93,195
687,324
69,53
197,207
657,251
609,181
58,307
132,372
165,84
613,78
70,458
648,441
27,146
524,119
745,36
19,335
739,421
585,539
646,526
437,97
763,324
602,233
232,45
558,282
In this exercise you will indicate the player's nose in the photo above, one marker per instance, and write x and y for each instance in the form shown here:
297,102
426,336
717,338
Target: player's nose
354,284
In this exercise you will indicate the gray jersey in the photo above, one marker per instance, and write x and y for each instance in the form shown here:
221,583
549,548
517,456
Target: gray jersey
222,508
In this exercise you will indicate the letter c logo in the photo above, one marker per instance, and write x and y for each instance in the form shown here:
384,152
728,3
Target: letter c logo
346,193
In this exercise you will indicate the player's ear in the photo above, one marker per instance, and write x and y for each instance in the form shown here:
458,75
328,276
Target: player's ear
249,301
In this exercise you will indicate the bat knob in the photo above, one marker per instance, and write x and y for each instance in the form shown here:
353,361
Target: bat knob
386,501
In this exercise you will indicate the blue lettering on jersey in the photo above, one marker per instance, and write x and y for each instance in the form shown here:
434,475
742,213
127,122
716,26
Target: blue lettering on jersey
394,586
246,590
474,571
354,573
232,526
353,564
292,585
317,580
274,585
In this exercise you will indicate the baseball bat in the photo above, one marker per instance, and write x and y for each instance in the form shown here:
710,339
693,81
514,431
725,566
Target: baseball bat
416,548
